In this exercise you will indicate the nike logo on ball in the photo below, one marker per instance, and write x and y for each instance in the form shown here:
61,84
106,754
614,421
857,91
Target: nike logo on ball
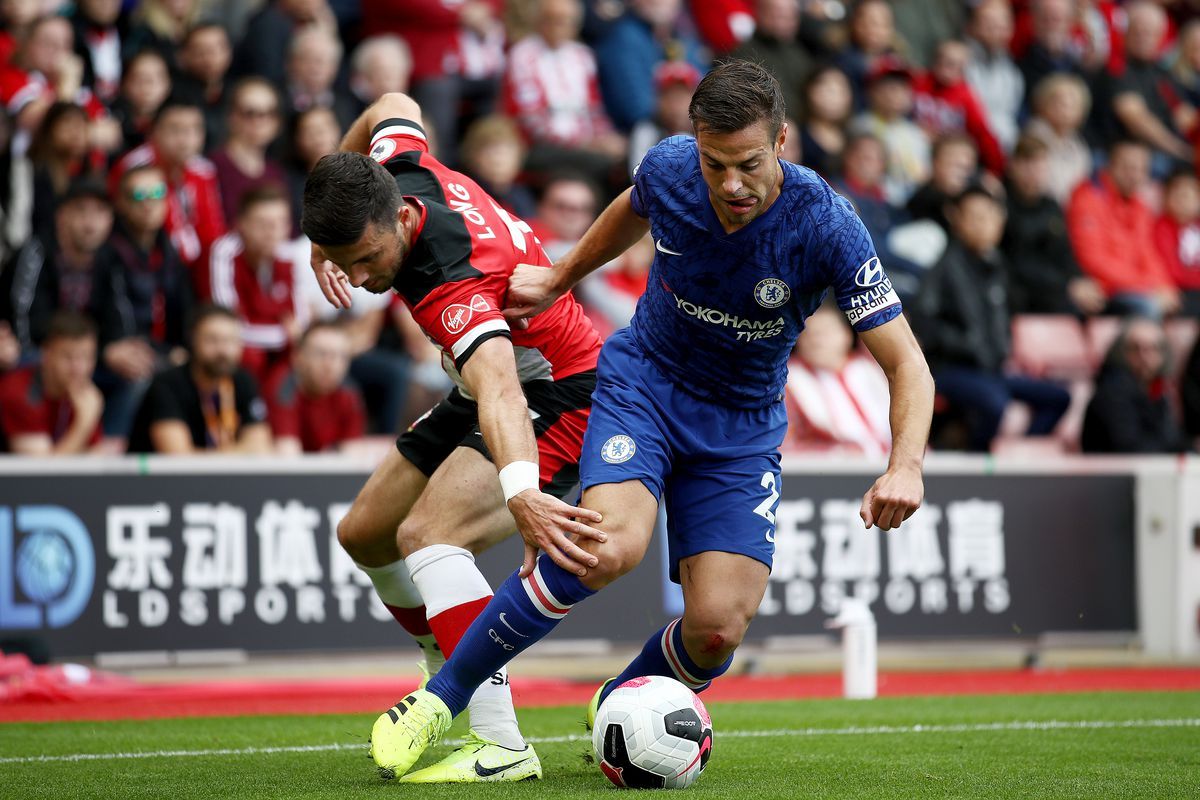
660,247
487,772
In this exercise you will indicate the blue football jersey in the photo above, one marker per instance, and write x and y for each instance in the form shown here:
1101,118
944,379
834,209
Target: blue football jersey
722,310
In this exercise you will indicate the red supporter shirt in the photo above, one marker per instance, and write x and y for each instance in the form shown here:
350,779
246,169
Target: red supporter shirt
194,216
25,409
319,422
455,278
1179,246
944,109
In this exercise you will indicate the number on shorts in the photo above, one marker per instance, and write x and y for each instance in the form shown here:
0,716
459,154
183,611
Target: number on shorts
763,509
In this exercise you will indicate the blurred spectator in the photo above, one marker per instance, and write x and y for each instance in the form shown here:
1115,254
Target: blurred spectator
568,206
1189,391
492,153
311,408
145,86
313,62
54,408
872,43
18,17
1177,233
57,270
922,24
379,65
44,71
827,104
775,46
253,123
862,183
161,26
835,396
674,83
194,215
59,155
458,54
1043,275
255,271
1186,67
611,294
314,133
98,43
648,33
963,320
144,297
16,194
1130,411
1145,100
1053,47
1112,233
204,62
890,98
208,404
954,165
723,24
552,91
271,34
1060,106
991,71
945,103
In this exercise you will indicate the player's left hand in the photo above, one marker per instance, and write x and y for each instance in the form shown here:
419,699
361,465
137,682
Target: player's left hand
333,282
893,498
531,290
547,523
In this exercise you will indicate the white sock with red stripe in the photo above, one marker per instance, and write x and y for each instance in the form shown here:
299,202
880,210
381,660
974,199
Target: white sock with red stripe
664,654
455,592
402,598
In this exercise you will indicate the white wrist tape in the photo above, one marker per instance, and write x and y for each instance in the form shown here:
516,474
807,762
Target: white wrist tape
517,477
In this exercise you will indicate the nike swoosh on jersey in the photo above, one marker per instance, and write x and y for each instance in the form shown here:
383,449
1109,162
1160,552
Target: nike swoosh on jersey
487,772
510,627
660,247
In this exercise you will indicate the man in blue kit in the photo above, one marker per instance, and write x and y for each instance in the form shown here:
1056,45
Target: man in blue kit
688,408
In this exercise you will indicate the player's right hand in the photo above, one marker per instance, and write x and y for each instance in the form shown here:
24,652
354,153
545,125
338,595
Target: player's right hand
333,282
546,523
531,290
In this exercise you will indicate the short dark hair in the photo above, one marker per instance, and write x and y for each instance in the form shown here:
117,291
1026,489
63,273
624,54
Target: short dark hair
138,169
69,325
975,189
1125,141
950,140
1029,146
1180,172
344,193
317,327
204,313
735,95
269,192
201,27
176,102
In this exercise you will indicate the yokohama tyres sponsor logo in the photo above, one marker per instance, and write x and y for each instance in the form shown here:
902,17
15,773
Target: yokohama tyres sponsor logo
457,316
747,330
877,298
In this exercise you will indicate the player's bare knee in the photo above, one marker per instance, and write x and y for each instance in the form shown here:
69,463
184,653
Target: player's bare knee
711,638
616,558
413,535
367,547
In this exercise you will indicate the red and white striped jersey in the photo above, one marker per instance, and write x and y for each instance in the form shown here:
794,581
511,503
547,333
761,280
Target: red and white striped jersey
455,277
554,93
264,297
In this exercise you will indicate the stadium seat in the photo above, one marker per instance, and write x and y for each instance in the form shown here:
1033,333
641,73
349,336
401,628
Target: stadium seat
1101,333
1050,346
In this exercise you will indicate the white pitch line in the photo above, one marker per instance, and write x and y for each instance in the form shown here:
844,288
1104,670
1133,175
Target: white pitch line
877,730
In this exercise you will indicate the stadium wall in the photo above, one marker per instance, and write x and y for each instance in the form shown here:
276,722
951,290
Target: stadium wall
153,555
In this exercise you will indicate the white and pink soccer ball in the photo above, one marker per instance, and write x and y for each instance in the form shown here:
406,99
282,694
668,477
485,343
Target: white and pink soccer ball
652,733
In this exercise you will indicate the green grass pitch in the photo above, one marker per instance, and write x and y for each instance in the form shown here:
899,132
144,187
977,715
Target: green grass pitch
1112,745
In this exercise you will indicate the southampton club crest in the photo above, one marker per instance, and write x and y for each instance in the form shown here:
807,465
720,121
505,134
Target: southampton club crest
618,449
772,293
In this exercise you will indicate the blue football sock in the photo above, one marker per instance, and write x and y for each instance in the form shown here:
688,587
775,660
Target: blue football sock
522,612
664,654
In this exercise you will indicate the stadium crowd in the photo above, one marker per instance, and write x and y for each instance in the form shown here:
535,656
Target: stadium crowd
1027,169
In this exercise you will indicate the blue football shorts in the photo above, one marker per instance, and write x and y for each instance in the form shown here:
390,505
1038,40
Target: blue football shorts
715,467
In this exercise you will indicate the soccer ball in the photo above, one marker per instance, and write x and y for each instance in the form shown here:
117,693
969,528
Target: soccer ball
652,733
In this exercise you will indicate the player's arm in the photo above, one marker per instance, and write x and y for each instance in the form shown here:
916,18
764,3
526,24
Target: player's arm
899,491
532,289
545,522
393,105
